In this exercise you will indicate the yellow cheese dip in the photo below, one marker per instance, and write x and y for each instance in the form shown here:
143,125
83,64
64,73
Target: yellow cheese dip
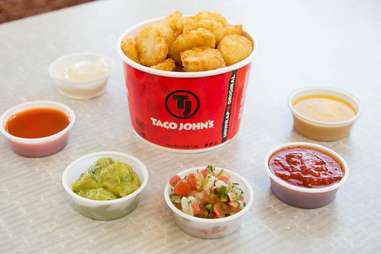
107,179
325,108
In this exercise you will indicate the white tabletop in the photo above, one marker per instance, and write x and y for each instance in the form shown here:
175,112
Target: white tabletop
300,44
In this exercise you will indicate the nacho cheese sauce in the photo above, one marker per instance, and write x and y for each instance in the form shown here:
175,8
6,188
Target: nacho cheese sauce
306,167
37,122
326,108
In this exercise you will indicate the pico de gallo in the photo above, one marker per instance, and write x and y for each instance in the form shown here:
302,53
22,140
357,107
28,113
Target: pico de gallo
207,193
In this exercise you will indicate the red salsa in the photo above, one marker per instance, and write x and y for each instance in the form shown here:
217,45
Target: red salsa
303,166
37,123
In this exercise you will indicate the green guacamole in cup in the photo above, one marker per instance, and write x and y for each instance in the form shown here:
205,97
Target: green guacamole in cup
106,180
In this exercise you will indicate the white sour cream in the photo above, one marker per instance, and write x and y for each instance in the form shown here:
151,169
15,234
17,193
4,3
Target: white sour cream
86,71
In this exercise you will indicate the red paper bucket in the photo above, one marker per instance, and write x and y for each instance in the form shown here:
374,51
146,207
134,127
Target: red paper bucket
185,111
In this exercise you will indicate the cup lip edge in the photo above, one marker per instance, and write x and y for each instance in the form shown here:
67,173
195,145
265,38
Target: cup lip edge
29,105
300,189
205,220
83,83
172,74
130,196
311,121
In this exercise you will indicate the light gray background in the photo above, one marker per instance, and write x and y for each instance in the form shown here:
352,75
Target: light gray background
300,44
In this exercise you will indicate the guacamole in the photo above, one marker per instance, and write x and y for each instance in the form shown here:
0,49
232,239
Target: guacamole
107,179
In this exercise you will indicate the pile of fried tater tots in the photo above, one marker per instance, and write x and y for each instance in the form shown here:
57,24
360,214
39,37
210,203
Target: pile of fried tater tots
201,42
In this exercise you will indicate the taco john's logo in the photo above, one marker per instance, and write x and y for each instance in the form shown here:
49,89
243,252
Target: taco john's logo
182,104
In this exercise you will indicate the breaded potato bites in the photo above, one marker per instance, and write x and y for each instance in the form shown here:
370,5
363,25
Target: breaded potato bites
235,48
230,29
165,29
202,59
199,37
167,65
210,24
176,21
151,45
211,15
129,48
205,41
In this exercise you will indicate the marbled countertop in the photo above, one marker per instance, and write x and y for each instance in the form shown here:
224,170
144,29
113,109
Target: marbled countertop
300,44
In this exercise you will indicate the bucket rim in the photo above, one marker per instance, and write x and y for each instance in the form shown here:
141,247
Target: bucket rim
174,74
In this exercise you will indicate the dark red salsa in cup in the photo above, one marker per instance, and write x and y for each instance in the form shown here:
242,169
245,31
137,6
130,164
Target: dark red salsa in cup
306,167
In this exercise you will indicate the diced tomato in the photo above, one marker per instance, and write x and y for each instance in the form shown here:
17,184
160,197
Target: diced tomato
196,208
182,188
205,172
191,178
209,198
224,178
174,180
218,210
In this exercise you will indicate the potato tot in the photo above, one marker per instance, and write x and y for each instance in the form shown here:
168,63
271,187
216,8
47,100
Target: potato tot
235,48
151,45
165,29
201,42
202,59
211,15
175,21
233,29
167,65
210,24
128,46
199,37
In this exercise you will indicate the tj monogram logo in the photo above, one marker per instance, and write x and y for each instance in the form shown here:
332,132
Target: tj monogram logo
182,104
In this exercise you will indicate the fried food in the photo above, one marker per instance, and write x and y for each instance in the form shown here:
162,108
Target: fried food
233,29
235,48
202,59
167,65
128,46
199,37
204,41
210,24
211,15
176,21
166,31
179,69
151,45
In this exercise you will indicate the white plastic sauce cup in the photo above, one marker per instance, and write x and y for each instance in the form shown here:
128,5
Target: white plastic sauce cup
104,209
211,228
38,147
322,130
299,196
78,89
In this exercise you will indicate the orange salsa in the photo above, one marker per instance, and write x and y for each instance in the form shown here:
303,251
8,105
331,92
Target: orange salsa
37,123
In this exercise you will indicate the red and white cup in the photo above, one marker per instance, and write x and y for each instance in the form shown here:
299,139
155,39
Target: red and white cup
185,111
